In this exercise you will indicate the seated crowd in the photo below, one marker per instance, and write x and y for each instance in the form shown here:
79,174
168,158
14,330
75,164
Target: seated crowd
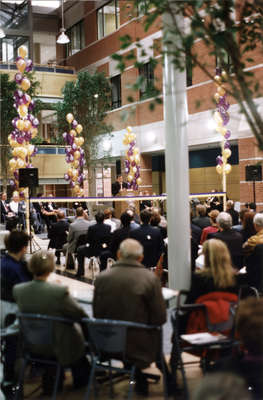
131,291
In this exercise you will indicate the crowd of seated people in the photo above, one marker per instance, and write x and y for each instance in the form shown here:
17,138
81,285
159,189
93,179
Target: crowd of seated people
13,213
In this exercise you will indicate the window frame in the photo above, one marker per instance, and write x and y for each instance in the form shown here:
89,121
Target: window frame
101,9
119,94
81,26
147,71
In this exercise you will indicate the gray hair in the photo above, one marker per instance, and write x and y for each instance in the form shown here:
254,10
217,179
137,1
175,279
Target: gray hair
224,220
130,249
41,263
258,220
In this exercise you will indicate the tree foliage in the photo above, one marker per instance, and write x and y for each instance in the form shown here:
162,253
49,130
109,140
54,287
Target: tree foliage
228,29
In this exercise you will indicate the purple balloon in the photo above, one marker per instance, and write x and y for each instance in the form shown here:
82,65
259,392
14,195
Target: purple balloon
219,160
11,182
29,65
226,145
18,77
71,158
31,106
65,136
227,135
72,184
16,175
74,146
74,123
35,122
20,140
66,177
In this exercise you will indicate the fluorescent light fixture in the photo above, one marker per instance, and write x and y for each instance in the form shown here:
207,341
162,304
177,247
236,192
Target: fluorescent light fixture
63,38
2,33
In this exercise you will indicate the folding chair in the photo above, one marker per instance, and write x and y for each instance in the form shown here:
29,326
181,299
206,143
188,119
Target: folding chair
36,330
205,349
107,342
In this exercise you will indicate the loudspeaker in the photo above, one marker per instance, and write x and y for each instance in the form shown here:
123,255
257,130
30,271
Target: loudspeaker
253,173
118,167
28,177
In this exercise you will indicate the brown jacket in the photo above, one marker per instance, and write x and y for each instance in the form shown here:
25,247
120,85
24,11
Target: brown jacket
252,242
48,298
130,292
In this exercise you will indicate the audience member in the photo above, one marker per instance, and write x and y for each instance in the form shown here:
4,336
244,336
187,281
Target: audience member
249,362
232,239
248,226
108,219
251,206
98,238
256,239
120,234
242,214
202,220
210,229
156,220
18,208
42,297
144,204
117,221
79,227
58,234
150,238
49,211
230,210
133,224
131,293
136,218
4,208
214,202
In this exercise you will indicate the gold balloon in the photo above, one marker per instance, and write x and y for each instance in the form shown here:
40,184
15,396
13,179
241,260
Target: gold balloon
135,150
227,153
218,118
76,164
79,128
134,169
14,143
69,118
21,65
34,132
27,125
221,129
221,90
129,129
139,181
131,158
22,110
219,169
70,172
12,163
29,100
132,137
74,172
227,168
73,132
125,141
31,149
15,151
23,153
9,138
224,75
81,140
130,178
20,163
77,155
81,192
76,188
217,97
20,124
22,51
218,79
25,84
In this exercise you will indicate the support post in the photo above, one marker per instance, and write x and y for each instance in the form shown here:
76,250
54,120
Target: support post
177,166
27,211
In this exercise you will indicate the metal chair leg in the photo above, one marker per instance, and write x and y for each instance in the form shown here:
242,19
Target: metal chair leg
131,382
58,373
91,379
19,393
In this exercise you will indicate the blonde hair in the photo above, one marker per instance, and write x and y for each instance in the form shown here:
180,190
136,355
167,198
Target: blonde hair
218,263
41,263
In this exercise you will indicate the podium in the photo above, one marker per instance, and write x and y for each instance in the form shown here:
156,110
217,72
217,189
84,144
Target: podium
122,205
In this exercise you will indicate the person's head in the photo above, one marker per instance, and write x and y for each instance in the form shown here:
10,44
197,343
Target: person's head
60,215
99,216
201,210
221,386
243,213
119,178
16,243
15,197
107,213
249,324
3,196
218,263
213,216
41,264
155,218
252,206
112,210
130,250
130,212
145,216
126,218
79,212
248,224
224,221
258,222
132,207
229,205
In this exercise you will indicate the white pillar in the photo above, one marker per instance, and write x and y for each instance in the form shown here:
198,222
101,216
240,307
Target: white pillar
177,171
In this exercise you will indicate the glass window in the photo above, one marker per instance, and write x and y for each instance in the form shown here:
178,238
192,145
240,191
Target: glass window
115,92
77,39
147,88
9,47
108,18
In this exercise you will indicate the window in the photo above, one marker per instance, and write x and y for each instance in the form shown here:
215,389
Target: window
9,47
108,18
115,92
189,72
147,88
77,39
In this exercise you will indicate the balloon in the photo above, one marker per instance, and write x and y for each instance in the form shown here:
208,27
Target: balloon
125,141
79,128
131,158
76,188
77,155
137,158
31,149
21,65
221,90
130,178
81,140
22,51
218,79
219,169
18,77
74,124
221,130
66,177
227,168
134,169
33,132
12,163
139,181
22,110
76,164
27,125
22,152
135,151
73,132
218,118
25,84
26,99
227,153
227,135
29,65
35,122
70,172
20,163
65,135
69,118
20,140
20,124
129,129
224,75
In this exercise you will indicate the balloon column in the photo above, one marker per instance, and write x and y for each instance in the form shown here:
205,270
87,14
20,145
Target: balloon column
132,162
74,155
25,125
221,117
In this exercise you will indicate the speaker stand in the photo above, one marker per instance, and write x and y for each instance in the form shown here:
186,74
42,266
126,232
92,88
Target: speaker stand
254,191
33,245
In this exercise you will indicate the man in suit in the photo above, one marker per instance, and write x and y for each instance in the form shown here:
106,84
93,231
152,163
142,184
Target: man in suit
232,239
98,239
150,238
230,210
4,208
42,297
131,293
202,220
58,234
118,186
79,227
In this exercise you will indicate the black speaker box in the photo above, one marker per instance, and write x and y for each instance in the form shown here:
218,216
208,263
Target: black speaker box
28,177
118,167
253,173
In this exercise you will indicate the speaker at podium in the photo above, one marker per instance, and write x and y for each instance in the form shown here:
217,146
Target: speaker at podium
122,205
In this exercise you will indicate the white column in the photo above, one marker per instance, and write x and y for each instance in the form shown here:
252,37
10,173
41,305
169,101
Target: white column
177,171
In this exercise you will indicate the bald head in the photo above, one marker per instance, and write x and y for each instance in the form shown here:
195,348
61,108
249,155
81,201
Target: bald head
60,214
130,249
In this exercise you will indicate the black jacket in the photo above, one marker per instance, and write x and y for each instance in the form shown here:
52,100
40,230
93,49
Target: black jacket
202,222
98,237
151,239
58,234
234,242
115,187
117,237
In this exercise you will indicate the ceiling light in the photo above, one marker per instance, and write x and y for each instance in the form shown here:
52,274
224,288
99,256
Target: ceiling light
63,38
2,33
